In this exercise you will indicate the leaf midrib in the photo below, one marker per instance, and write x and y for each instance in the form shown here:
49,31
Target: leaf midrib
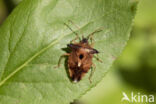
30,59
34,56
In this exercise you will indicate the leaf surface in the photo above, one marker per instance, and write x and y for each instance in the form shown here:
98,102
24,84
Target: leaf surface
31,42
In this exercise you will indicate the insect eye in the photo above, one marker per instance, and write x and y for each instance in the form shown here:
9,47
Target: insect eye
81,56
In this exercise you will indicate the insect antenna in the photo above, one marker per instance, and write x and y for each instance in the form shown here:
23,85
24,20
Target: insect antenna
74,24
76,27
73,31
90,36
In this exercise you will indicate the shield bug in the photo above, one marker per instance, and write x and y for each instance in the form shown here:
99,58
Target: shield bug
80,56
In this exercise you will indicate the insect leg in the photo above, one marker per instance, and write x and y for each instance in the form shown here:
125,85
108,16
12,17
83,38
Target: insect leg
61,57
97,58
91,39
73,41
92,72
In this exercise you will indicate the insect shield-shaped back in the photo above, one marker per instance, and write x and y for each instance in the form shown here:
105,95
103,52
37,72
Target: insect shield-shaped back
80,59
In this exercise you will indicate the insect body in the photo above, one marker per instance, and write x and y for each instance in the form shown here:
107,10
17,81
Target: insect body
80,57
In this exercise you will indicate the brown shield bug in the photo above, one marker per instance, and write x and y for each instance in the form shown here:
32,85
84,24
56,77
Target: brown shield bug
80,56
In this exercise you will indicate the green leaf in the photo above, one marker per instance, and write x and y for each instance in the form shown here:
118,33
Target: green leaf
31,42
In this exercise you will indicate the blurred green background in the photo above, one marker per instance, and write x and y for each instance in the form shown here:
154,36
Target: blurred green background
134,71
